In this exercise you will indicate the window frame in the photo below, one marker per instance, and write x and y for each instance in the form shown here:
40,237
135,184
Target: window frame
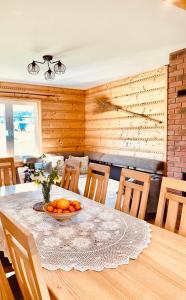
9,124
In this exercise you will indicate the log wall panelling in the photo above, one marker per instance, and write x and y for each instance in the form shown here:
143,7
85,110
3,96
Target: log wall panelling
73,121
62,114
117,131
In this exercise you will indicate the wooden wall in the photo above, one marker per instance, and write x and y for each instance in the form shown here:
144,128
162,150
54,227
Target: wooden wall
62,114
118,132
73,120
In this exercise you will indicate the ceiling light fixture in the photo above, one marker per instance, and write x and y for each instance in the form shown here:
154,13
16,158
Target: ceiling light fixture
59,68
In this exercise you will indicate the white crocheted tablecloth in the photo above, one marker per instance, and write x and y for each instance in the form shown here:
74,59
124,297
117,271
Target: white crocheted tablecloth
97,238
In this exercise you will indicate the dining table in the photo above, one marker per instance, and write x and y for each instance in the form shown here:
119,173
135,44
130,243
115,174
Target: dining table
103,254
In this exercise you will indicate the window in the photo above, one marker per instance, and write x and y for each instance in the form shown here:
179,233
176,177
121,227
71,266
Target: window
19,128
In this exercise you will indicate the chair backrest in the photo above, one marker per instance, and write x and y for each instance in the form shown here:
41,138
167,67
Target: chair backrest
133,193
5,290
171,206
7,171
25,259
97,182
70,177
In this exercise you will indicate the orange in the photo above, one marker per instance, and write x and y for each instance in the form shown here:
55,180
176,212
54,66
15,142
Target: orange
59,210
77,206
63,204
55,210
71,208
66,211
53,203
50,208
75,202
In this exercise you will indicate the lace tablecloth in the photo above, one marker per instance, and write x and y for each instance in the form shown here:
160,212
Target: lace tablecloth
97,238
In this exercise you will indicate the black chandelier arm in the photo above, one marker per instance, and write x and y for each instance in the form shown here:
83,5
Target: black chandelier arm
39,62
49,62
54,62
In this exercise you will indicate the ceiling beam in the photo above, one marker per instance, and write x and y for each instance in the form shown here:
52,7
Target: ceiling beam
178,3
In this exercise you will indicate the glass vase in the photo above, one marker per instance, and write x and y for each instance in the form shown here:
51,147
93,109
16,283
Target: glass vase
46,187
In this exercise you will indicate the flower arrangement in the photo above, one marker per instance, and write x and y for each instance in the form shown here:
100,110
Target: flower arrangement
46,180
40,177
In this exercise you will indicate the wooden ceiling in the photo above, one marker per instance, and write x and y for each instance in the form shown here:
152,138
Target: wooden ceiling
179,3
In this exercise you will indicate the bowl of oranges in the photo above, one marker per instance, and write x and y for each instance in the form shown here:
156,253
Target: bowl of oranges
62,209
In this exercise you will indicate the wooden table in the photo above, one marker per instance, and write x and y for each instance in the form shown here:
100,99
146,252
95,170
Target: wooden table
158,273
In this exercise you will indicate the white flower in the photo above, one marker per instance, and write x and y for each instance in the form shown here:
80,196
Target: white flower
57,179
32,176
41,178
38,177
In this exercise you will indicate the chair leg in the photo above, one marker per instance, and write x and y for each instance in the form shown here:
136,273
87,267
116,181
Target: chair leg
12,280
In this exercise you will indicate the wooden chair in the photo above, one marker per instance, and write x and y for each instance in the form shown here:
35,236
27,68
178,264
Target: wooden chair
132,196
25,259
7,266
7,171
71,174
97,182
171,204
5,290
